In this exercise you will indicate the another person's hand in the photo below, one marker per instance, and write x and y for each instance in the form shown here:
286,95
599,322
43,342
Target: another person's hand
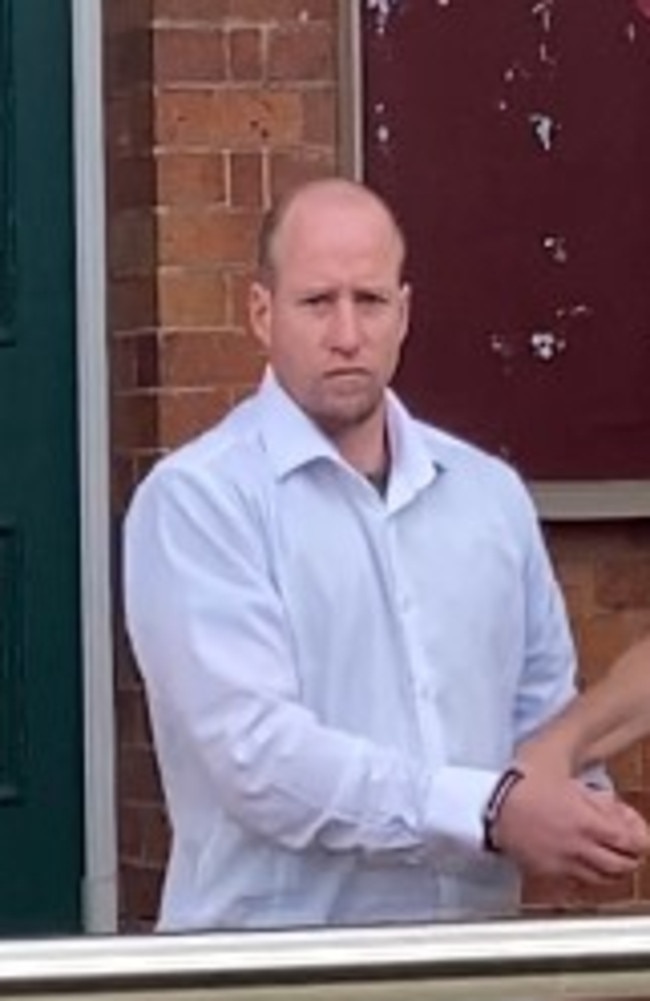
559,828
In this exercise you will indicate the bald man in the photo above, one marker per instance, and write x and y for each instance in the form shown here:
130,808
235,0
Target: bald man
346,622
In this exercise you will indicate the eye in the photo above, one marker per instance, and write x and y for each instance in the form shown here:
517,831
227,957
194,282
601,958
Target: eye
370,299
317,300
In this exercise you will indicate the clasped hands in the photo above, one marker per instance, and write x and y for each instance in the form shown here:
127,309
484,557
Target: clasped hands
555,826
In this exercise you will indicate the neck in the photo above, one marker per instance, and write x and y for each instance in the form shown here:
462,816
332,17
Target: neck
365,446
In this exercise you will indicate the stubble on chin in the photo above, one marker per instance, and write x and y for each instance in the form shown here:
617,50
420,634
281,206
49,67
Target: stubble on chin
337,417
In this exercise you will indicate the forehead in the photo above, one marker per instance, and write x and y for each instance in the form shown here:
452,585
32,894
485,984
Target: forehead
326,235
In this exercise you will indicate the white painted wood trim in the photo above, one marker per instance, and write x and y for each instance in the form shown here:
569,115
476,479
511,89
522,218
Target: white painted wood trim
100,883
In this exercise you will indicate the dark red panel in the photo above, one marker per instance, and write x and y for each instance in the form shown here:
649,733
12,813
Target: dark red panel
513,136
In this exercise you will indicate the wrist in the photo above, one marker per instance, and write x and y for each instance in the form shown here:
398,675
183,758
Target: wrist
506,782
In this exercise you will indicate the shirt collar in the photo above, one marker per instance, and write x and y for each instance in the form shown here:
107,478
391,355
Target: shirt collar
292,441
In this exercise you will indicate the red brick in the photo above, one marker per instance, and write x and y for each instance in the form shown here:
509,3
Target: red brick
246,180
186,118
134,360
133,719
129,124
132,303
289,168
191,178
155,835
257,116
190,11
125,15
238,286
134,420
601,638
319,111
188,55
626,770
128,60
206,238
245,56
185,414
144,835
301,52
122,360
208,359
139,779
191,298
123,480
131,183
132,247
624,583
268,11
220,118
140,895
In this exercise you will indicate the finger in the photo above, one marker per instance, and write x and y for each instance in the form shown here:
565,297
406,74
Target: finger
636,825
584,875
606,863
617,827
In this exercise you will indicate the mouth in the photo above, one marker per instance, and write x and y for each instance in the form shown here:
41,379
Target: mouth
347,373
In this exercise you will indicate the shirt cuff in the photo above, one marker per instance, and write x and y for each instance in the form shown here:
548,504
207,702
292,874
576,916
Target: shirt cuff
458,797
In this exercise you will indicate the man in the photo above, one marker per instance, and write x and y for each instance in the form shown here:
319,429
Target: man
603,720
346,621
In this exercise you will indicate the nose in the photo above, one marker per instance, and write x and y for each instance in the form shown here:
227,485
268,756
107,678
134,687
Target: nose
345,328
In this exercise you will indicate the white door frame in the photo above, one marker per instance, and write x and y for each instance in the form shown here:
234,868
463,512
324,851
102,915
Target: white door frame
100,877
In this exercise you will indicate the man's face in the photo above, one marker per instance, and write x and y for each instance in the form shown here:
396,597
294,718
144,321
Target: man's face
335,318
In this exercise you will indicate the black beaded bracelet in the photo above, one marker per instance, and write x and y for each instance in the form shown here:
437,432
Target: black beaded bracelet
498,796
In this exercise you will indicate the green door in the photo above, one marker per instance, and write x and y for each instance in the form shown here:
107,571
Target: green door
40,678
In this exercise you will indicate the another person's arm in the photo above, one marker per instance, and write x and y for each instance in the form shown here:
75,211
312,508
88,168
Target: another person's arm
603,720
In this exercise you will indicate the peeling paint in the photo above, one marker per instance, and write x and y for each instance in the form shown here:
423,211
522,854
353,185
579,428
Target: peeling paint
544,128
556,247
565,315
546,345
382,10
504,348
499,345
544,10
516,72
546,56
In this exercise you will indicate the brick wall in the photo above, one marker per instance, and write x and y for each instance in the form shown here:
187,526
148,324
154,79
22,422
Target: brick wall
212,107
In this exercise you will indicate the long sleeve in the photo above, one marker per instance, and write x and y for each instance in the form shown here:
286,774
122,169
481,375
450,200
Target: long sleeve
548,673
210,635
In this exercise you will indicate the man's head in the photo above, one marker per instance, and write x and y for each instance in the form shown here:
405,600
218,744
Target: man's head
330,305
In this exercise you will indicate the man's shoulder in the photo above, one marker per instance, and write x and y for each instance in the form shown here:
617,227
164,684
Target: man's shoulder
230,451
452,451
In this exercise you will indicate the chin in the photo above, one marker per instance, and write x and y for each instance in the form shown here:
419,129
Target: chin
337,420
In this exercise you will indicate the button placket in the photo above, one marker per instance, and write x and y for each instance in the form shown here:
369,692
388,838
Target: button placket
420,671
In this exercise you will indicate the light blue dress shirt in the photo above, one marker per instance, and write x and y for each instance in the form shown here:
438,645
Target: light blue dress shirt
336,679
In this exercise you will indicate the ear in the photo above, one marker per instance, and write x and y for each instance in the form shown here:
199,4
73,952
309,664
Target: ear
405,310
259,312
